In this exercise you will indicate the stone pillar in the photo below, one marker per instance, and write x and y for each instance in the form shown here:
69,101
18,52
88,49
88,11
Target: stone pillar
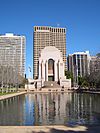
59,69
39,70
55,71
63,69
46,70
43,71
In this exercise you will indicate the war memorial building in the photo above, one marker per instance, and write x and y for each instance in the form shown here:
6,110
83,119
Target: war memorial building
51,65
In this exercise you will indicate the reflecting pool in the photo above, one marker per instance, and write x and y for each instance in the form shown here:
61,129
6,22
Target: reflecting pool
51,109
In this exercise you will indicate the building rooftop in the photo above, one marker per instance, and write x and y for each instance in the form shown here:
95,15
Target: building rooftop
86,52
10,35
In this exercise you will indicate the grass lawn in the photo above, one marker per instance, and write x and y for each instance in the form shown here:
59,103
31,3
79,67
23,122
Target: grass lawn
5,93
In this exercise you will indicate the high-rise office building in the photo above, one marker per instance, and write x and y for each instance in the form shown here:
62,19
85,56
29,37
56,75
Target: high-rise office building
48,36
79,64
12,52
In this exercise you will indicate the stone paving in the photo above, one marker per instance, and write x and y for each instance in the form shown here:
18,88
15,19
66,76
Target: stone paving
42,129
11,95
50,129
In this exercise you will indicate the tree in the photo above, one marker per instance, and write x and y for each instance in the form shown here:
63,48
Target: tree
82,81
69,75
98,54
94,79
22,81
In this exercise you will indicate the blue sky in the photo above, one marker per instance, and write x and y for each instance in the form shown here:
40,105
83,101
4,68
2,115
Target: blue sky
80,17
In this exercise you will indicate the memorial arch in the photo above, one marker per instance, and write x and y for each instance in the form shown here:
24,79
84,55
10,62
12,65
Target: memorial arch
51,65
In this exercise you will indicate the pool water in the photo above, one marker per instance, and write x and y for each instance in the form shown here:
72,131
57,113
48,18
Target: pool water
51,109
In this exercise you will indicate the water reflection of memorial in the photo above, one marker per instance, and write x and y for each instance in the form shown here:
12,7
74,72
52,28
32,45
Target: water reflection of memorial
50,109
65,108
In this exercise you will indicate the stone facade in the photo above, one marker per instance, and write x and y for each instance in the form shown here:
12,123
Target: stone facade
54,70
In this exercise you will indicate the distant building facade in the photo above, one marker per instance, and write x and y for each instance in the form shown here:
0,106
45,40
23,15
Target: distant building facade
12,52
48,36
94,64
79,64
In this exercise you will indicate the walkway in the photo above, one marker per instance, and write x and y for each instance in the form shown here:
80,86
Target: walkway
11,95
42,129
50,129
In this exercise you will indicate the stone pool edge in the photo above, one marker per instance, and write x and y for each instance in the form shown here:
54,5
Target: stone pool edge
11,95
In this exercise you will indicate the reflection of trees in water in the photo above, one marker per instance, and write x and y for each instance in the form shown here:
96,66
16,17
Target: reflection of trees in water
96,103
12,111
36,111
81,109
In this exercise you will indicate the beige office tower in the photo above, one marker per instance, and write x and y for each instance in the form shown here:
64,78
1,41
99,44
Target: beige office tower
48,36
12,53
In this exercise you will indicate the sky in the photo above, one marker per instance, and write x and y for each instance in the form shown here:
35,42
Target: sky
81,18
